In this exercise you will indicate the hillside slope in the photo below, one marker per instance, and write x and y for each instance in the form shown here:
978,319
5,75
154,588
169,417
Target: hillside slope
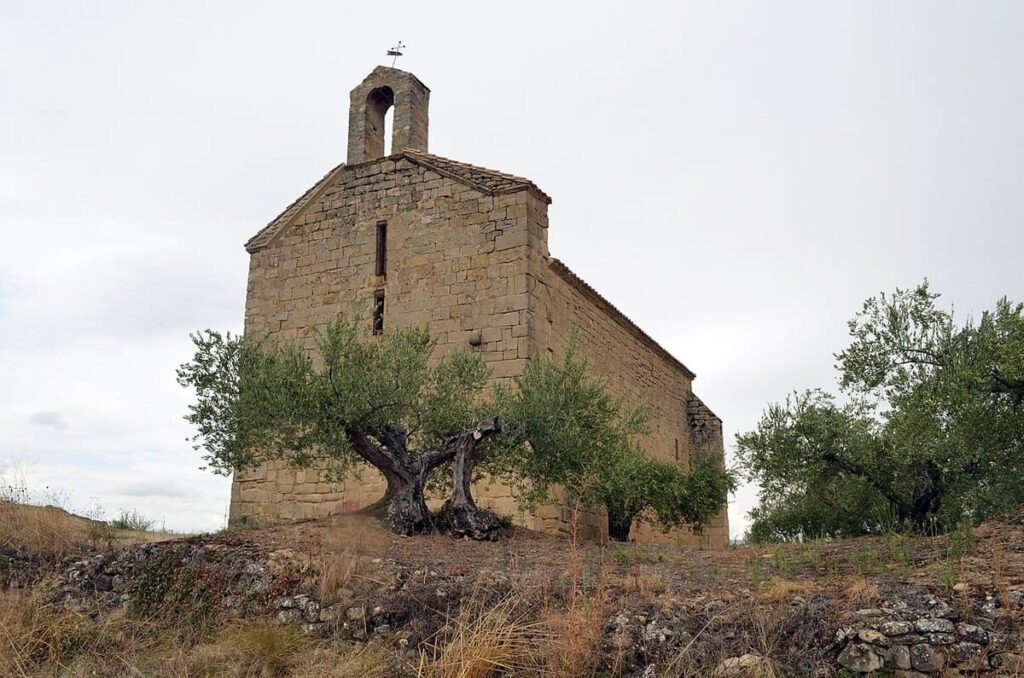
345,597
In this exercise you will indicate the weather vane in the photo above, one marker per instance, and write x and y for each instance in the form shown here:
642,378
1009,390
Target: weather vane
396,52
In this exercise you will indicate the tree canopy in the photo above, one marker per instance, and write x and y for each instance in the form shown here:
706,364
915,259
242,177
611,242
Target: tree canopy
566,429
927,430
384,402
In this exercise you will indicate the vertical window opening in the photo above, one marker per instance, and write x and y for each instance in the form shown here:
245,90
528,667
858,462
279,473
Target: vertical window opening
382,248
378,312
389,129
677,449
378,106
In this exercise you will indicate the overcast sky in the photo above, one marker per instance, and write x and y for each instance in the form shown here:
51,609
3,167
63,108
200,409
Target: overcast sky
736,177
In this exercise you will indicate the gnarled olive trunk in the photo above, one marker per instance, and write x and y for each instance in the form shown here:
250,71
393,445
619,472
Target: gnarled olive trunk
460,514
406,473
405,509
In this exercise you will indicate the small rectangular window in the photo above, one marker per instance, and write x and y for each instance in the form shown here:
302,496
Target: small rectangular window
382,248
677,449
378,312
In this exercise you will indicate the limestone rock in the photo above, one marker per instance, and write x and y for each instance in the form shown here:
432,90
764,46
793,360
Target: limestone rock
934,626
926,658
973,633
860,658
897,628
900,656
873,637
288,616
744,666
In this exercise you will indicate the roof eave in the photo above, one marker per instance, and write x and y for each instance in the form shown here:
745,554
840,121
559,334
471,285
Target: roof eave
567,274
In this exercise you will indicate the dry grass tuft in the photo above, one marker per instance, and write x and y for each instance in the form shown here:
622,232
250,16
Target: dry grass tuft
644,586
575,638
861,591
261,648
483,640
576,632
780,590
366,660
34,635
336,571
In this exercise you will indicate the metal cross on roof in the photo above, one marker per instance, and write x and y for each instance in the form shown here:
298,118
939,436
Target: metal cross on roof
396,52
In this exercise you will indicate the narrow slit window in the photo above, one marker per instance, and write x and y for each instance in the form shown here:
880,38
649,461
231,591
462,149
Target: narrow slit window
378,312
677,449
382,248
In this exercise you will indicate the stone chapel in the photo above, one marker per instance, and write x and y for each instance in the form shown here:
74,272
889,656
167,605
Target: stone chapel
460,249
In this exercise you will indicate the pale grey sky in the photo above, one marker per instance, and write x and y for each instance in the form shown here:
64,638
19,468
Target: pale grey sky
737,177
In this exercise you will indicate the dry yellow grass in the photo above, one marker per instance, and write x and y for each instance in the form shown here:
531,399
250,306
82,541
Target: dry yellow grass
644,585
367,660
34,635
335,572
483,640
260,648
45,532
50,533
779,590
861,591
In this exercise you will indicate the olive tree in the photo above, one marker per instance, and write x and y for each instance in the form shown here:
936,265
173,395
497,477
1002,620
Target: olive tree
376,401
928,431
383,402
566,429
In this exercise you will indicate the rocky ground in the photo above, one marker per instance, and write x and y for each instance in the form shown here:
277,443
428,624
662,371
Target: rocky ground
533,604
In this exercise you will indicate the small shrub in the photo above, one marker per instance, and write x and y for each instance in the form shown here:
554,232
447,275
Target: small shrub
131,520
621,557
962,541
812,552
186,593
948,573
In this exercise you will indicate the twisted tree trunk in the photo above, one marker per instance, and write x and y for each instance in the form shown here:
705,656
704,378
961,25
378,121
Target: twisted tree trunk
406,473
405,509
460,514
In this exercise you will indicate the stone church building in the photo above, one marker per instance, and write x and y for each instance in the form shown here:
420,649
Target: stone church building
463,250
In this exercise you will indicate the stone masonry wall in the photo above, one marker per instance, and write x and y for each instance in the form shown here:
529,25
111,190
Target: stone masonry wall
472,266
456,263
633,368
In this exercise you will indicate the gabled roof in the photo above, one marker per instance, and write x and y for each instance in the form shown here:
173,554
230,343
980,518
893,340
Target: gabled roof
584,288
484,180
270,231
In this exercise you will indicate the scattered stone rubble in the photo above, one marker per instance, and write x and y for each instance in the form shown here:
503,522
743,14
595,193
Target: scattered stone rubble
924,635
912,633
243,576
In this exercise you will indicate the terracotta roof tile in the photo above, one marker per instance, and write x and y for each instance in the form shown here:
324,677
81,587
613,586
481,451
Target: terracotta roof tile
488,181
